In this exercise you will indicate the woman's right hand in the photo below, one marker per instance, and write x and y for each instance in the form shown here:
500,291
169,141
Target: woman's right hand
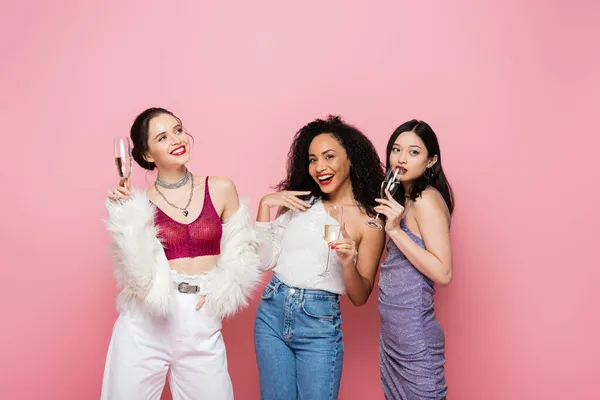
287,198
120,193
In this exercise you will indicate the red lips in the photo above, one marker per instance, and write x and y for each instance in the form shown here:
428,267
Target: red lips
325,179
179,151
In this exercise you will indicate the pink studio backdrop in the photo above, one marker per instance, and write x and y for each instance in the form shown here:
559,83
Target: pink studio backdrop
510,88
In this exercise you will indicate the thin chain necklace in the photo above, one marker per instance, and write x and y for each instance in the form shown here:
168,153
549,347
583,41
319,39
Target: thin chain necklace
184,209
176,185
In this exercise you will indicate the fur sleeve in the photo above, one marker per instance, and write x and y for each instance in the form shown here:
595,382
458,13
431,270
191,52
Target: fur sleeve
141,268
236,275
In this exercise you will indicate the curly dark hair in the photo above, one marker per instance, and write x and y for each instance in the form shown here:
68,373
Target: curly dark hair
366,168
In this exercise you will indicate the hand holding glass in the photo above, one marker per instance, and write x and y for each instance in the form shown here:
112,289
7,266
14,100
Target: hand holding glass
333,223
122,154
391,184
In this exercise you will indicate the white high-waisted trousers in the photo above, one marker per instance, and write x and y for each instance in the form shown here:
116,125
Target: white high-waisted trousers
187,344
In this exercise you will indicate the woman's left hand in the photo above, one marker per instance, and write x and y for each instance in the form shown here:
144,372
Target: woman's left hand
345,247
392,210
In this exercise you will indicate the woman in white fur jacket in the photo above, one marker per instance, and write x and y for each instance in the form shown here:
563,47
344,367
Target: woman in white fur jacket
185,258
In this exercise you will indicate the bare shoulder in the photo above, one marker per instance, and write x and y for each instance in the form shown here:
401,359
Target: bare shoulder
370,233
224,192
430,203
222,184
372,240
151,193
363,217
358,217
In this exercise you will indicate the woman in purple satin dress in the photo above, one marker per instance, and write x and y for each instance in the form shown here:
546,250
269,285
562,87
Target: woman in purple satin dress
412,349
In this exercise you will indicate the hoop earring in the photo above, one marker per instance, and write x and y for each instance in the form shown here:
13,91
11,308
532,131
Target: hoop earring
428,169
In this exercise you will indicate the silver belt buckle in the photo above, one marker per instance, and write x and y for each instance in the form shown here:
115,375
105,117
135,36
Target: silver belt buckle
185,287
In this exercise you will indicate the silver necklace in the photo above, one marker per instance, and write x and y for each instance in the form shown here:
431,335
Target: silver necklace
176,185
184,209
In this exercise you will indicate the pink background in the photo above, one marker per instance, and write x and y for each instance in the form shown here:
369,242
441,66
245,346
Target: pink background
510,88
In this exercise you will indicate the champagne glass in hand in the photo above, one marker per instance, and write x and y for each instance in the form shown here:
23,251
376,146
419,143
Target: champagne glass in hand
333,222
390,183
122,154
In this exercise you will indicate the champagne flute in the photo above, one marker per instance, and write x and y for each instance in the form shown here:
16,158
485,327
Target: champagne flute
390,183
333,223
122,154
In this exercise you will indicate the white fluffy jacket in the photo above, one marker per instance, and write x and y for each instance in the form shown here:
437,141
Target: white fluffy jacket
142,270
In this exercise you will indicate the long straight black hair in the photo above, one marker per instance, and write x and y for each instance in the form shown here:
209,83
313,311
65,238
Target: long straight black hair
436,177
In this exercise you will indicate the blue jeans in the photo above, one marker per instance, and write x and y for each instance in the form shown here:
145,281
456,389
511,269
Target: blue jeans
298,343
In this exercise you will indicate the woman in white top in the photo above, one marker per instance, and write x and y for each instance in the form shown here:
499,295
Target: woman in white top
297,332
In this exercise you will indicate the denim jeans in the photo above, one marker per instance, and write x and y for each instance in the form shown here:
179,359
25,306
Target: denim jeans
298,343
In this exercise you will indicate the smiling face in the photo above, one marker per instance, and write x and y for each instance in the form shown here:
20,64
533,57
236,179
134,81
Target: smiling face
168,144
410,154
328,163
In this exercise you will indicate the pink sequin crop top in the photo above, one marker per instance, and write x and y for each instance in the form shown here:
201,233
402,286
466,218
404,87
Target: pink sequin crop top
201,237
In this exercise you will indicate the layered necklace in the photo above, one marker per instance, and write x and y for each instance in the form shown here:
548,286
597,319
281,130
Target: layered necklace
187,177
